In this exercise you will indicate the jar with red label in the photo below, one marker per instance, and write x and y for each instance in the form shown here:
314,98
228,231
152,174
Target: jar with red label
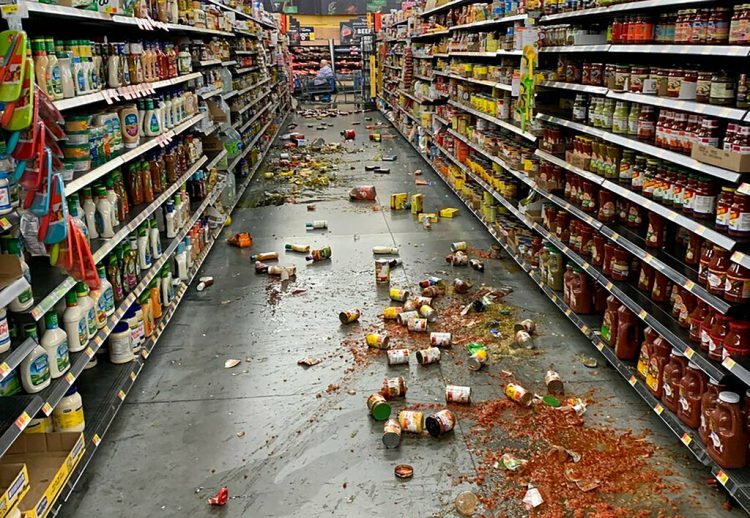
660,290
646,125
704,201
622,73
718,332
597,250
737,341
696,320
707,253
657,230
562,226
739,215
709,134
699,29
646,278
684,304
723,204
635,215
585,237
588,197
609,254
606,212
586,73
705,328
717,269
737,284
573,72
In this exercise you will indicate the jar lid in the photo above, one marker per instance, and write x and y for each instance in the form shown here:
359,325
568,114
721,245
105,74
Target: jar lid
729,397
677,352
693,366
712,381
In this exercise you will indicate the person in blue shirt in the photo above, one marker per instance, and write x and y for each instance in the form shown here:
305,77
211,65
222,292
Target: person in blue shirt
324,76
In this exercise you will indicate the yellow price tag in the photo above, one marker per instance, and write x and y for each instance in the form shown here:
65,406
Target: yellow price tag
729,363
4,369
47,409
615,236
689,285
96,439
608,286
632,381
585,329
586,266
70,378
642,314
658,409
722,477
686,439
133,375
121,395
10,9
689,353
23,420
600,346
567,312
144,353
672,216
89,352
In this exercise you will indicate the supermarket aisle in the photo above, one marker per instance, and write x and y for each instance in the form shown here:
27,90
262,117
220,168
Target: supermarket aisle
291,441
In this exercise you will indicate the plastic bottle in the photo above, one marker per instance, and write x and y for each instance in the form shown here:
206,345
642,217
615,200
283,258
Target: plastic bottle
170,220
26,299
79,77
152,120
120,344
131,319
112,197
154,239
180,258
153,290
104,210
68,414
34,369
66,75
5,203
113,67
139,323
89,212
144,251
74,319
130,264
107,298
55,342
188,254
148,314
168,112
40,64
87,305
76,219
130,124
166,286
40,424
54,86
11,384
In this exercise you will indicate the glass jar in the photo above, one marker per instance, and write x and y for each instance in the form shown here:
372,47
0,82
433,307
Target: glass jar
739,216
693,250
717,269
704,201
716,336
638,75
646,278
696,320
722,89
703,87
708,135
622,73
707,253
606,212
717,29
620,264
646,126
657,231
597,74
674,82
699,31
586,73
737,341
660,289
597,250
737,284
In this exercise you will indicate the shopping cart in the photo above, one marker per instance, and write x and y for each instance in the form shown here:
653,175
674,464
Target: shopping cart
308,90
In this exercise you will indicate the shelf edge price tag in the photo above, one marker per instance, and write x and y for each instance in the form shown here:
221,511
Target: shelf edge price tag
632,381
4,369
96,439
17,10
600,346
70,378
133,375
89,352
689,352
642,314
658,409
728,363
23,420
686,439
722,477
121,395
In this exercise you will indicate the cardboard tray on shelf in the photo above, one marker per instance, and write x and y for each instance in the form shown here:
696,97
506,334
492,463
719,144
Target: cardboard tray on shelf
14,484
737,162
50,459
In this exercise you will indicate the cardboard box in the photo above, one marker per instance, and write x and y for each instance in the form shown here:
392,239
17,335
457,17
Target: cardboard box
736,162
399,200
10,269
14,484
50,459
428,215
448,213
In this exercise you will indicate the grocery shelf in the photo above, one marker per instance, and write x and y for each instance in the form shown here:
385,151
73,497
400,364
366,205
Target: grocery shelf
669,156
741,258
255,117
228,63
239,157
499,122
589,89
59,291
207,63
386,65
620,8
715,237
676,104
252,103
429,35
483,82
397,23
440,55
210,93
246,69
215,160
262,23
472,54
577,48
121,378
11,291
145,24
229,94
686,50
245,52
94,174
478,26
113,94
11,359
423,78
445,7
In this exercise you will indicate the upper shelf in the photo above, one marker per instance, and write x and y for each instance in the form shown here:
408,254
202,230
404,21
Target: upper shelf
616,10
656,48
263,23
478,26
447,6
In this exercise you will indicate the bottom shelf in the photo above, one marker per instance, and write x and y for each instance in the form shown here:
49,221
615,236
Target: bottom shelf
736,482
112,383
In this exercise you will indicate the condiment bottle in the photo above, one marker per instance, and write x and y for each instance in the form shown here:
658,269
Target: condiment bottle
628,333
716,337
728,437
708,404
737,341
55,342
737,284
659,356
691,389
75,323
648,336
672,374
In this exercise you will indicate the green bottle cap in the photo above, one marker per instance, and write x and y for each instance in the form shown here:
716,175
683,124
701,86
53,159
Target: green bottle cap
50,320
30,331
381,411
82,289
71,298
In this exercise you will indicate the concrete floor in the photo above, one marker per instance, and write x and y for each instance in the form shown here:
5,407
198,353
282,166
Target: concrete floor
263,429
